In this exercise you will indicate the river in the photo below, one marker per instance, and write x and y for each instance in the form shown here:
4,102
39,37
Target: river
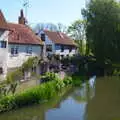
100,101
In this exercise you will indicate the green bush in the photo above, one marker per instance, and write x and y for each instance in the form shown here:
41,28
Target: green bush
59,85
49,76
67,80
77,81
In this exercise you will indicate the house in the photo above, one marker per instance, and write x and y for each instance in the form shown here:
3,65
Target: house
17,43
58,43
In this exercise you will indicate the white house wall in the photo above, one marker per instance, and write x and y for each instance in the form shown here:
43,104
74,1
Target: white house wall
3,52
65,52
17,61
56,49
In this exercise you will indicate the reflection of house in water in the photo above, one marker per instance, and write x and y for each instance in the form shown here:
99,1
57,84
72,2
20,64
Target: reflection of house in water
105,105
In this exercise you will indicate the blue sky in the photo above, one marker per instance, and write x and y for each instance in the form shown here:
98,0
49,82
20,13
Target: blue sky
42,11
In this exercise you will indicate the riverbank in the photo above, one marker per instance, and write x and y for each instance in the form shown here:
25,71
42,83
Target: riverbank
35,95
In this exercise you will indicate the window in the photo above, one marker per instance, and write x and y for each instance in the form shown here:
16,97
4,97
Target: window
29,50
49,48
43,37
14,50
62,48
3,44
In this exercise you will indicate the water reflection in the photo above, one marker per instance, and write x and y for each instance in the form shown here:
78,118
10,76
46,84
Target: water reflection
106,103
72,106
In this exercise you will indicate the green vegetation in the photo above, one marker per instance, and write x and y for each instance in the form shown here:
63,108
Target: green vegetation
103,30
30,63
37,94
77,31
9,85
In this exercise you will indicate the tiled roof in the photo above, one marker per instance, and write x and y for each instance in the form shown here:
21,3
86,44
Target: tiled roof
22,34
59,38
3,23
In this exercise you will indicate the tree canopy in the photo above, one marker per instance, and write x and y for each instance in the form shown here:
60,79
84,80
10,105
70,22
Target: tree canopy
103,29
77,31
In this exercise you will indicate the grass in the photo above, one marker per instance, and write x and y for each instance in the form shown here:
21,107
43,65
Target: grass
37,94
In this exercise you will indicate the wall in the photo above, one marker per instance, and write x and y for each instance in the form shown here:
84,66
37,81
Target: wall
18,60
47,42
56,49
66,50
3,53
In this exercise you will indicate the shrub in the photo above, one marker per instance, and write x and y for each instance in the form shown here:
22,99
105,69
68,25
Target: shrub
67,80
59,84
35,95
49,76
77,81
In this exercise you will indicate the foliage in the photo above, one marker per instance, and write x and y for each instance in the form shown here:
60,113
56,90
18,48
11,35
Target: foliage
59,84
67,80
10,84
14,76
37,94
77,31
30,63
49,76
34,95
103,29
77,79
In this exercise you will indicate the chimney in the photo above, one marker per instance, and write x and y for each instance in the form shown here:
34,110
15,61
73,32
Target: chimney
21,19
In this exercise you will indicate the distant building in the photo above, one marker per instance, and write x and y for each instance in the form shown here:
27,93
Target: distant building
58,43
17,43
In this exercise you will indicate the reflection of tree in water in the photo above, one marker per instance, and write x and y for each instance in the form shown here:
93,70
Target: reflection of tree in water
83,95
105,105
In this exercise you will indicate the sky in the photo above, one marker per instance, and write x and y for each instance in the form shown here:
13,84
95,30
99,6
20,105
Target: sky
44,11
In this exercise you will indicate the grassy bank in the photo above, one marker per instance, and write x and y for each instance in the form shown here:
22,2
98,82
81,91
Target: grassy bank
36,95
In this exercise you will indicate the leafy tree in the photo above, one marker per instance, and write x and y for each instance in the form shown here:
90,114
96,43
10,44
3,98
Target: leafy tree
103,29
77,31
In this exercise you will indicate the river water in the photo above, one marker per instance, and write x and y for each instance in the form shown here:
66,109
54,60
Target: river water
99,99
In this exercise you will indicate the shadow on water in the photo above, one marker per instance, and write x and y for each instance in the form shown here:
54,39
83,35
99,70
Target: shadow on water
98,99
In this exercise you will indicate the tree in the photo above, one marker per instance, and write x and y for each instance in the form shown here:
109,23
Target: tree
50,26
61,28
77,31
103,29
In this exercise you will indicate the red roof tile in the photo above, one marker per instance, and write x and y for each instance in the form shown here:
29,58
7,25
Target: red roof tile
3,23
59,38
22,34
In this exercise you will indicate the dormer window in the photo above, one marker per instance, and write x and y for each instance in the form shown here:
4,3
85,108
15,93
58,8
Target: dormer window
3,44
43,37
